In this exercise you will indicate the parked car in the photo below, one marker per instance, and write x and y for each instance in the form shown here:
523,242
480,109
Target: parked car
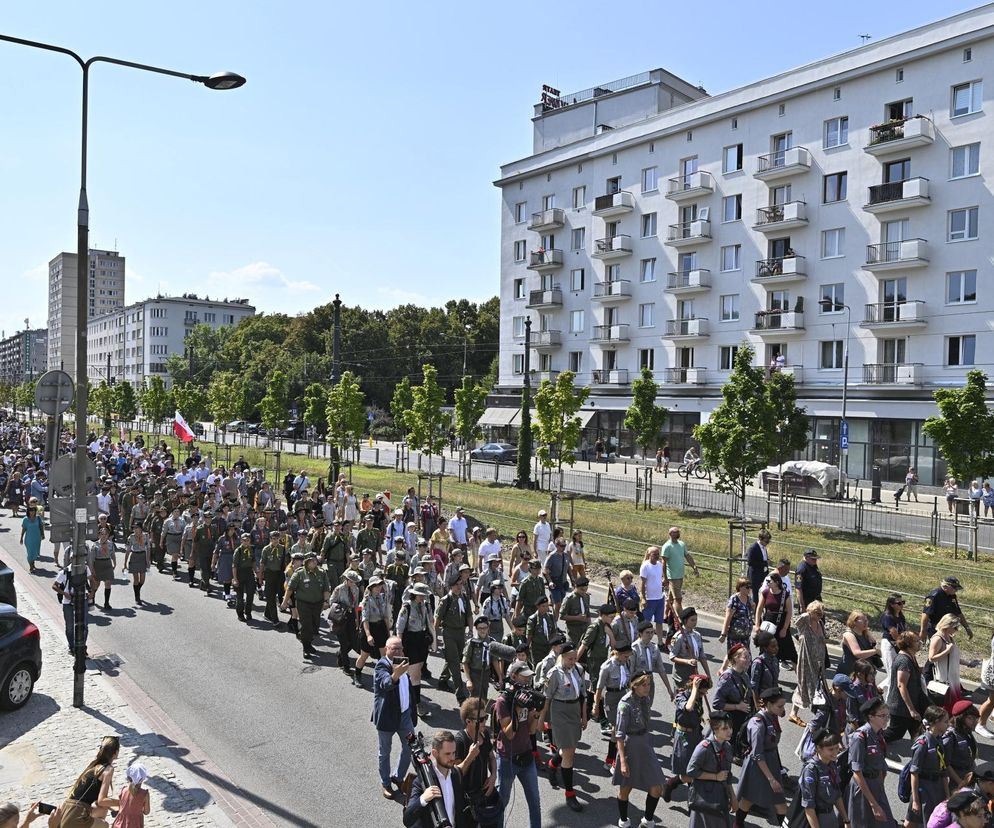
237,426
499,452
294,429
7,593
254,428
197,428
20,658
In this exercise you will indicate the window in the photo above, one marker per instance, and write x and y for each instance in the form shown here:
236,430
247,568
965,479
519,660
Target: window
735,123
519,288
732,158
647,358
520,211
782,110
965,160
577,238
518,327
647,270
833,243
731,208
835,295
836,131
612,273
961,350
518,363
835,187
961,287
652,147
690,135
549,201
576,321
967,98
726,357
837,93
579,197
967,54
650,180
576,361
831,354
729,308
731,257
963,224
645,314
576,279
899,76
899,110
545,362
648,225
520,249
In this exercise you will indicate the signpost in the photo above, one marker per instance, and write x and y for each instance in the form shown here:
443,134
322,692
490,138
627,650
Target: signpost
844,436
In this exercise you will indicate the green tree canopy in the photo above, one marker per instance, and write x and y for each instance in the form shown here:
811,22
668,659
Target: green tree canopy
471,402
124,401
963,430
101,402
156,401
556,427
275,406
644,419
223,399
425,422
346,412
316,406
400,406
191,400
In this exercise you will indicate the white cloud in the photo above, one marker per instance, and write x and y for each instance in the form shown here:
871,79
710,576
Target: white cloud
258,275
386,298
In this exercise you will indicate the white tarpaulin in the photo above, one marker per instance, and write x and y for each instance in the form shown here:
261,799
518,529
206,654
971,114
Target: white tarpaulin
827,476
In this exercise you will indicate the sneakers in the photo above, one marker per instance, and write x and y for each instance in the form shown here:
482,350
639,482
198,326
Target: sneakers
647,823
624,823
609,765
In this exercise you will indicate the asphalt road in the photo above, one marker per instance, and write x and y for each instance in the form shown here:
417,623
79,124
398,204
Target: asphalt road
297,736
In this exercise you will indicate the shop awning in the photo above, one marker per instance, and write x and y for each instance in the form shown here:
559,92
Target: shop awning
498,417
585,417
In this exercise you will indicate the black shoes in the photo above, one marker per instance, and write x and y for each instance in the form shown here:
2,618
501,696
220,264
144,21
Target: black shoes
573,805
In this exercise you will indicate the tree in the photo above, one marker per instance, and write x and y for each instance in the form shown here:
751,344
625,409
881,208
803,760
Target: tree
644,419
471,402
425,423
346,418
964,428
756,422
275,406
222,399
191,400
400,405
101,402
155,402
556,428
124,401
316,406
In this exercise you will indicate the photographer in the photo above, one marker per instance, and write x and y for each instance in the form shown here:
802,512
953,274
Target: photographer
477,763
518,712
449,787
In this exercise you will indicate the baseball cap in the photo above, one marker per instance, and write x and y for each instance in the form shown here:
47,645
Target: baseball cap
953,581
520,668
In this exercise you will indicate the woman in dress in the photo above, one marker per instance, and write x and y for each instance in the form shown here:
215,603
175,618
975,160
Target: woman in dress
637,766
868,806
576,556
732,693
688,729
857,642
136,804
906,698
987,685
103,562
761,781
351,509
960,745
136,560
892,624
224,554
712,797
739,613
820,785
810,658
952,491
416,628
566,712
775,609
929,774
32,534
14,493
943,652
89,799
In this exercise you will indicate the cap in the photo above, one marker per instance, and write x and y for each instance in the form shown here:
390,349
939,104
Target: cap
953,581
519,621
542,599
534,564
738,645
984,772
465,568
355,556
623,648
481,619
961,800
583,580
419,570
631,605
297,556
376,579
607,609
771,694
246,536
400,553
422,542
644,625
542,513
719,716
398,540
843,681
567,648
352,575
310,556
496,585
963,706
557,638
520,668
811,553
688,612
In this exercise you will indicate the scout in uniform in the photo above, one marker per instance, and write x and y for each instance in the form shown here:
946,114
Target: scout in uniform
566,712
478,662
171,537
959,743
647,657
398,572
271,574
452,616
710,774
517,634
637,765
243,567
530,589
626,624
575,610
868,806
540,629
335,552
416,629
761,781
204,541
929,774
594,649
153,528
688,730
368,537
612,684
347,595
819,786
310,589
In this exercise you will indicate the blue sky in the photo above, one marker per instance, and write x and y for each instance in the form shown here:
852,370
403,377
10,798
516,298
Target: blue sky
359,157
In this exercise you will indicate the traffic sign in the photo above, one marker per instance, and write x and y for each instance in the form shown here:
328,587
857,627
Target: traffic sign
54,392
844,435
60,479
62,514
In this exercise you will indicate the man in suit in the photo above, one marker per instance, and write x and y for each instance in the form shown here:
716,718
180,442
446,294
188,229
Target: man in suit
449,788
394,712
758,561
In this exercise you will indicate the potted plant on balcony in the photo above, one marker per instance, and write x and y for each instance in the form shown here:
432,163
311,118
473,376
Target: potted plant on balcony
887,131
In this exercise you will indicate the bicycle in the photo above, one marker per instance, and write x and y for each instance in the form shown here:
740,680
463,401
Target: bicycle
695,468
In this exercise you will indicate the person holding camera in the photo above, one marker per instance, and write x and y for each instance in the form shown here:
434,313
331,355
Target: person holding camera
478,764
449,788
394,713
519,714
566,711
687,728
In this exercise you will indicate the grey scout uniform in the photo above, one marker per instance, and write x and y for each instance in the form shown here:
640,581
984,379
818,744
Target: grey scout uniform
173,529
686,645
613,682
648,657
868,754
710,756
687,730
452,615
928,761
540,628
566,689
626,630
476,656
576,604
632,728
764,740
820,789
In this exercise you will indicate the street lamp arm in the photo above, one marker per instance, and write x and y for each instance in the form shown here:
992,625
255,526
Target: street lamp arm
144,67
47,46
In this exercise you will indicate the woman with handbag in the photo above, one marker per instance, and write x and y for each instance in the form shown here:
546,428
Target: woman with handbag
739,612
637,765
345,599
712,798
810,659
857,643
774,614
89,799
943,653
906,696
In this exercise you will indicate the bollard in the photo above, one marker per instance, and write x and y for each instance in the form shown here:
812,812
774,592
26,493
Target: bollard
597,484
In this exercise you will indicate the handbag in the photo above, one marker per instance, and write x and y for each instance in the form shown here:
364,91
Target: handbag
820,697
937,691
987,672
768,626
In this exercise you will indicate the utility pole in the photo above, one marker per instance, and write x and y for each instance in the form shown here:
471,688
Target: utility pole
108,368
189,353
525,432
336,363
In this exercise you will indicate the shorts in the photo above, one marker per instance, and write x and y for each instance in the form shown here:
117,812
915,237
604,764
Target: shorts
676,587
557,594
653,610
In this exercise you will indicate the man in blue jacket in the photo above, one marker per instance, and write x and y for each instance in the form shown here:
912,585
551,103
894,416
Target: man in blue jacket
393,713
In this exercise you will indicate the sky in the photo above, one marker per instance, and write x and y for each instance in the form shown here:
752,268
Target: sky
359,157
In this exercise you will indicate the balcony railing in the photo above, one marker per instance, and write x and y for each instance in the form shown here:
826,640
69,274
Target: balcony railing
547,339
690,184
779,320
686,327
903,373
610,333
689,230
783,162
792,212
688,279
610,376
547,298
780,266
680,376
910,192
612,246
551,219
918,128
895,312
906,250
614,204
545,259
618,289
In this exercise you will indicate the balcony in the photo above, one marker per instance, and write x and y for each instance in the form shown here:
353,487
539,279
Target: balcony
541,376
677,329
898,195
895,316
684,376
781,217
545,260
613,204
548,220
905,373
690,186
612,292
783,164
689,281
613,247
779,322
612,376
545,299
900,135
608,334
547,340
896,255
689,233
780,270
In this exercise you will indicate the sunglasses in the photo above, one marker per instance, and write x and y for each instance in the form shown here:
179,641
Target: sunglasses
899,603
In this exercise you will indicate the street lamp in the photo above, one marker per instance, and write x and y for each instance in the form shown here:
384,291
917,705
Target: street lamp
831,305
219,80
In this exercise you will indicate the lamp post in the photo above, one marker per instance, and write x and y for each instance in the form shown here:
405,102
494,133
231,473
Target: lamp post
219,80
830,304
465,347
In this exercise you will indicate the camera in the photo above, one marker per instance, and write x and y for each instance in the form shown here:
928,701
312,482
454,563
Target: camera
528,699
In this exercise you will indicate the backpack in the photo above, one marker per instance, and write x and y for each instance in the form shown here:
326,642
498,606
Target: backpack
904,779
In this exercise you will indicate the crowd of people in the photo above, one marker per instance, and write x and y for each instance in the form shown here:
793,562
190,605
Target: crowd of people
532,663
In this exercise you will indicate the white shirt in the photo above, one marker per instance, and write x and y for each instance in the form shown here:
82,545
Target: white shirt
457,528
488,550
653,574
448,794
543,536
404,687
63,580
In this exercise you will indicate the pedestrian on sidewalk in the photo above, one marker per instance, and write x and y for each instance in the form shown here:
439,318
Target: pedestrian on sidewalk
135,800
90,797
32,534
9,814
136,560
62,586
911,484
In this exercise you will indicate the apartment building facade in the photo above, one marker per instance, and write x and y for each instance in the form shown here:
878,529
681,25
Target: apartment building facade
23,356
838,207
133,343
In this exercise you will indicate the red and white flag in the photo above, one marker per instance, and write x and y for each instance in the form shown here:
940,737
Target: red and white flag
181,429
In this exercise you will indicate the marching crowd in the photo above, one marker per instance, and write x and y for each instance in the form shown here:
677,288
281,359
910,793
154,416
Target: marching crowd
533,662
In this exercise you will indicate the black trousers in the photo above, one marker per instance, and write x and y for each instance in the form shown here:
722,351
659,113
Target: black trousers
245,592
273,582
899,725
310,620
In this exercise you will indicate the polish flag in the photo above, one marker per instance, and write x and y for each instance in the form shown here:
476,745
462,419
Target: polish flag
181,429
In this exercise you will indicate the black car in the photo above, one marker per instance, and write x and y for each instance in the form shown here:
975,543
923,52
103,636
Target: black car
20,658
197,428
295,429
7,593
499,452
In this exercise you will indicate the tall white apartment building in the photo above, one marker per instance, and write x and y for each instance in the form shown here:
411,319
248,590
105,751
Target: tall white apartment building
843,202
133,343
106,294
